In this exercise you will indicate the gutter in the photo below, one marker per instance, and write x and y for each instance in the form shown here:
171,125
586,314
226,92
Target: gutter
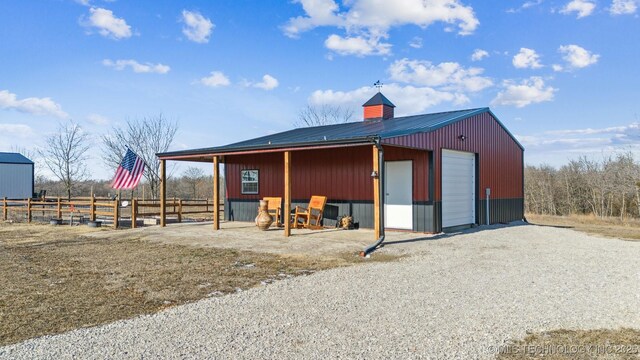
381,175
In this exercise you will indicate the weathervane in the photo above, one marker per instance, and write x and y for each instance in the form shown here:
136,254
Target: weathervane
378,85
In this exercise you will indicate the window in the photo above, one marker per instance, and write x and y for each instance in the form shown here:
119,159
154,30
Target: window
249,180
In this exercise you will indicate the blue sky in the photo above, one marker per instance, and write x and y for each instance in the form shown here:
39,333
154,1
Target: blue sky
562,75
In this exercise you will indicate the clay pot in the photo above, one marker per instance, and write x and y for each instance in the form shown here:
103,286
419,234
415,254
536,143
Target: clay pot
264,219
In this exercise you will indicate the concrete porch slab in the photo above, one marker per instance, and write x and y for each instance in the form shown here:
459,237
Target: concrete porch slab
246,236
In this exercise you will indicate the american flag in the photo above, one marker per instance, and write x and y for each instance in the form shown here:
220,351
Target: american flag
129,172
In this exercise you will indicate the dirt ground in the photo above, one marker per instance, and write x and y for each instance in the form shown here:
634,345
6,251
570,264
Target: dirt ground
54,279
628,229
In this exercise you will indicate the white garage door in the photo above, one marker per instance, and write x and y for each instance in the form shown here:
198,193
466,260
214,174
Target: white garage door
458,188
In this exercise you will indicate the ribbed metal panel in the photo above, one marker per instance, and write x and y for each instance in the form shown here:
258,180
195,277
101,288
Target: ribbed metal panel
339,174
16,181
500,157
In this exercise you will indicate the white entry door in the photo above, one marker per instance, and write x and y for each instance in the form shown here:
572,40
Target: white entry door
398,189
458,188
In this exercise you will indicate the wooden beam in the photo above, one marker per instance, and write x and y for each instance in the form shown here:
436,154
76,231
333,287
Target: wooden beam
116,212
134,212
286,212
376,193
163,193
216,193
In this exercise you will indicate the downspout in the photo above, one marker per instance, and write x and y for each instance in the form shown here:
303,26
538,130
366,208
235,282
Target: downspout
369,249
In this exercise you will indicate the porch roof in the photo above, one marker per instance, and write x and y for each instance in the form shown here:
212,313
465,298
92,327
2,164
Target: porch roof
351,133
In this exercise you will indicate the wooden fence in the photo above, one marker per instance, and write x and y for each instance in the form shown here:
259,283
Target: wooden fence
105,209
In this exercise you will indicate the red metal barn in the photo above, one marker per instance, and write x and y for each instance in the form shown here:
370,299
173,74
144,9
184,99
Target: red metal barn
438,169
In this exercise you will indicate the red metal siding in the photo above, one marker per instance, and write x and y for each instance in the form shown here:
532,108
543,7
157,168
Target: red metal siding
420,168
500,158
373,112
387,112
378,111
340,174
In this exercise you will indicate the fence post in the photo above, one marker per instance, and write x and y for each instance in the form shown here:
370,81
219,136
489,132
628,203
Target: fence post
116,204
92,208
4,208
29,210
59,209
134,212
179,210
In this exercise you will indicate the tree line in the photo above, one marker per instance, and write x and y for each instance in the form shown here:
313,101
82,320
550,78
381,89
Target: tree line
609,187
193,183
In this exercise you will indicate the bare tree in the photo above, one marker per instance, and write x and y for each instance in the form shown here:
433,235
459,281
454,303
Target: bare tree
323,115
605,188
146,137
193,176
65,154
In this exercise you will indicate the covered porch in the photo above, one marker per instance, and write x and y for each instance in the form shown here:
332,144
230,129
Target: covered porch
286,171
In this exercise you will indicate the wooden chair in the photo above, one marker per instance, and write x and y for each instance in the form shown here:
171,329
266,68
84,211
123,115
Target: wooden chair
312,215
274,208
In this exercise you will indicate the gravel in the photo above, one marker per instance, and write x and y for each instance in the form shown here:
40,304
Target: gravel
454,297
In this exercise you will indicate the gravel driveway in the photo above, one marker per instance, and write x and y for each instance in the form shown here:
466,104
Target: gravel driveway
455,297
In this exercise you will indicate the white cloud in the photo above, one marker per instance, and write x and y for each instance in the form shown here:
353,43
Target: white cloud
368,21
556,146
107,24
197,28
582,8
83,2
590,131
479,54
32,105
577,57
416,42
528,91
13,131
527,59
136,66
357,45
408,99
268,83
525,5
622,7
446,75
97,119
216,79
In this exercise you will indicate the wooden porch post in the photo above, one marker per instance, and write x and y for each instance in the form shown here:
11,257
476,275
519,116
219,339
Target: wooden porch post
163,193
286,212
216,193
376,193
134,212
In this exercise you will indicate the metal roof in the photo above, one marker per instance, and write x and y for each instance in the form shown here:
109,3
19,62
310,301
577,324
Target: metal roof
346,133
13,158
378,99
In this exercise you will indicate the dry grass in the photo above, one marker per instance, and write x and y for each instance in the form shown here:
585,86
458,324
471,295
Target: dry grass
52,279
609,227
575,344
